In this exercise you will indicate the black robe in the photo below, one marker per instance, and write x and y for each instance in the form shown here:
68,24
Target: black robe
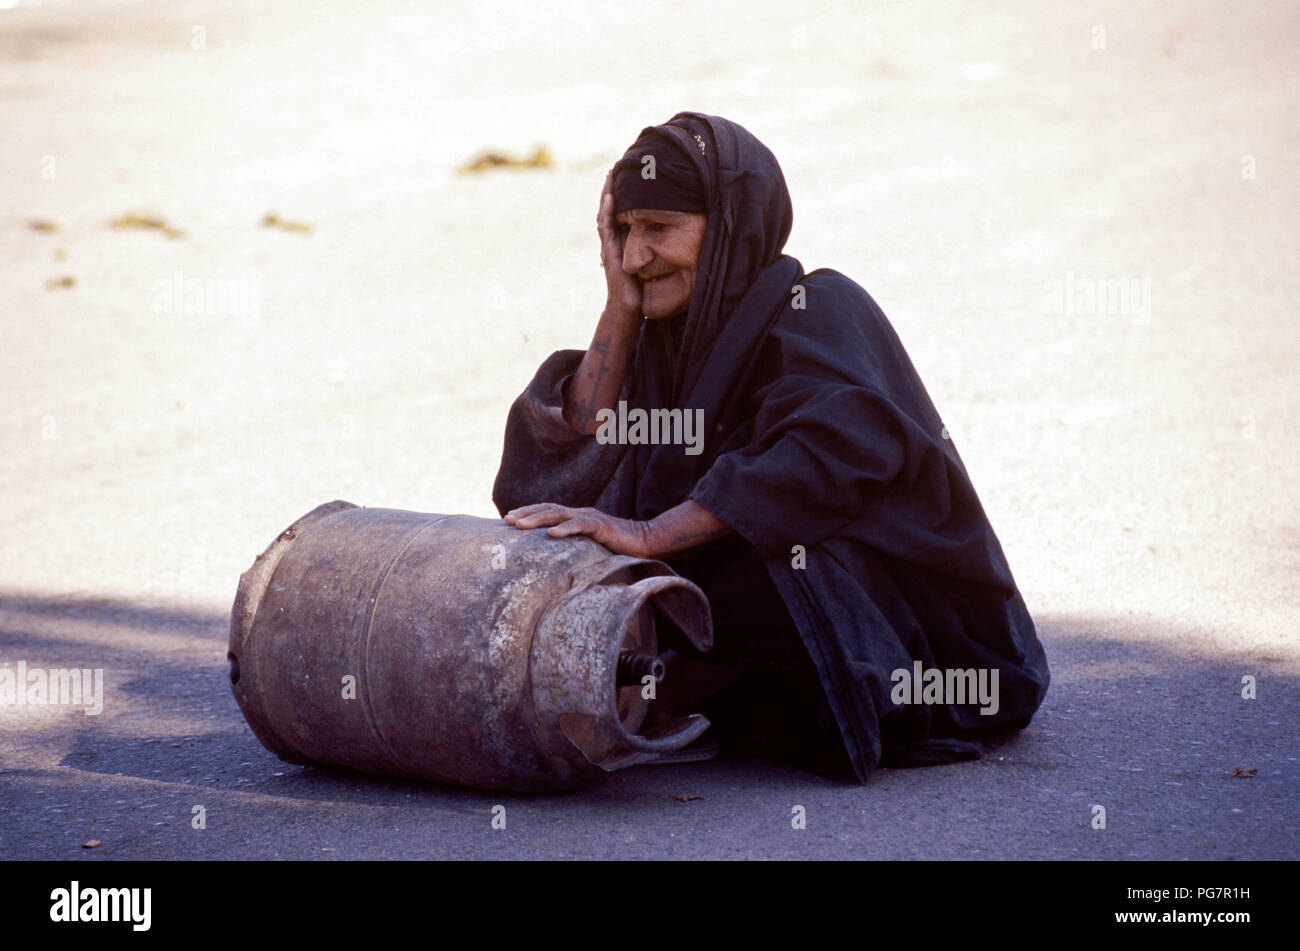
824,453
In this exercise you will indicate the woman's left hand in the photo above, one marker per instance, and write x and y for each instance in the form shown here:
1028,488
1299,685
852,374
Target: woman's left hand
622,536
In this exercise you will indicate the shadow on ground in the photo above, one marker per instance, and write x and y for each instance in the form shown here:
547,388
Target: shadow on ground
1137,721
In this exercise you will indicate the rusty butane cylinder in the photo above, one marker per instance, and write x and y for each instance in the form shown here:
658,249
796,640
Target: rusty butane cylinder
455,649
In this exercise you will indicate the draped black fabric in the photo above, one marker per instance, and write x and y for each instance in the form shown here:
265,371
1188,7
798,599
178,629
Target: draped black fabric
823,451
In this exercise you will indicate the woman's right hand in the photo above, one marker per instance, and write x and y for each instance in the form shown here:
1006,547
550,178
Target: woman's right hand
622,292
599,377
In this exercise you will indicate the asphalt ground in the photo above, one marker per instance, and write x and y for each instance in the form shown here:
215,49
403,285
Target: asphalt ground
1136,453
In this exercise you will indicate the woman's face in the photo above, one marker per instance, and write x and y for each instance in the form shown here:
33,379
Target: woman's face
661,250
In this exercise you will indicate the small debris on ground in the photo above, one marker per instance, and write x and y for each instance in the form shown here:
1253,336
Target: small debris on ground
485,161
272,220
43,226
1245,772
145,223
60,283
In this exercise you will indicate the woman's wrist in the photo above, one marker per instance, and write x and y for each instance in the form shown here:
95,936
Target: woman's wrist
682,527
624,317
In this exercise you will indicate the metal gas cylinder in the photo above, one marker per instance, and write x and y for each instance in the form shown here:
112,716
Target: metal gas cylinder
455,649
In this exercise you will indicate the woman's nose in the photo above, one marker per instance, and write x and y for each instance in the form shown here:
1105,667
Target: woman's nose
636,254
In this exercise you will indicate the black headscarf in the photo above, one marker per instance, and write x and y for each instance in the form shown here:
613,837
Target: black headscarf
655,173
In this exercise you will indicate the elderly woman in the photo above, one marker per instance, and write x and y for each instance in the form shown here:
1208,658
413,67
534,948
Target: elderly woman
864,613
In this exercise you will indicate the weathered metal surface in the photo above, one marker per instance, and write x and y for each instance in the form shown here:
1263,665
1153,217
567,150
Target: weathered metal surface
479,654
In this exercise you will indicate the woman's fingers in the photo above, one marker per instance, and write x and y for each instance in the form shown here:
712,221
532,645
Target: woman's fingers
603,214
622,536
524,511
609,249
559,520
573,525
535,516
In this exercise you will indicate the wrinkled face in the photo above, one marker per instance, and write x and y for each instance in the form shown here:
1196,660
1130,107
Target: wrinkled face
661,250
